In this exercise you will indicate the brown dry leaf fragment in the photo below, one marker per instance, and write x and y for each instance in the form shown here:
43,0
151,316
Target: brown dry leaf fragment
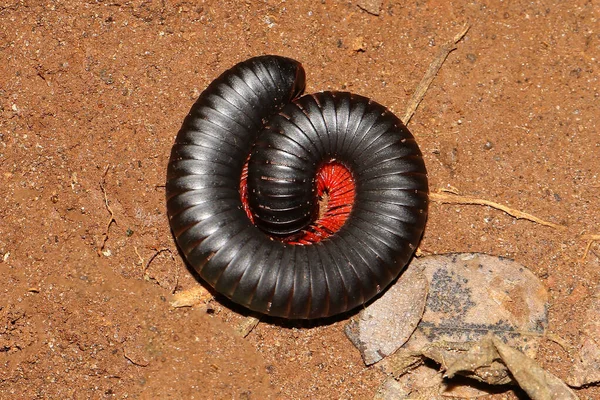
246,326
358,45
586,368
481,363
426,382
477,360
534,380
470,296
191,297
403,361
422,383
387,323
371,6
489,361
391,390
473,295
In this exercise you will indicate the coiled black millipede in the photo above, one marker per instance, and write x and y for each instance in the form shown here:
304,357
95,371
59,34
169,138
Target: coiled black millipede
254,108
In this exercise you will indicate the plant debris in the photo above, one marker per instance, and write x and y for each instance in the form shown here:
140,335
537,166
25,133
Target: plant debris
373,7
489,360
457,199
112,219
379,329
470,297
586,368
430,74
189,298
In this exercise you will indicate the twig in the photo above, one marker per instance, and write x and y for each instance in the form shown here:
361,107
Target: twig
158,251
591,239
457,199
139,256
134,362
559,341
434,67
176,284
110,211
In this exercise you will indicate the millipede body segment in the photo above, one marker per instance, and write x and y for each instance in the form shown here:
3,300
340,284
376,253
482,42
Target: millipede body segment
284,257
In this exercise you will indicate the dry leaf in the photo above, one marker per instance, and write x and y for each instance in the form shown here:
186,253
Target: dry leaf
474,295
538,383
191,297
387,323
489,361
586,368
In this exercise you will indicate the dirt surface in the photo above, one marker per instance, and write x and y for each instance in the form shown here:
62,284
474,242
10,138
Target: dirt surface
92,95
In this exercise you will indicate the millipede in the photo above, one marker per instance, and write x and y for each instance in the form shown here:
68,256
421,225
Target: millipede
295,206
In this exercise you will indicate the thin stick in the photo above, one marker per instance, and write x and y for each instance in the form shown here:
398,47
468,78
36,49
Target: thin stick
591,239
457,199
434,67
139,256
110,211
158,251
131,360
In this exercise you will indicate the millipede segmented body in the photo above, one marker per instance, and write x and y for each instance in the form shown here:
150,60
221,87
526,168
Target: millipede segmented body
256,259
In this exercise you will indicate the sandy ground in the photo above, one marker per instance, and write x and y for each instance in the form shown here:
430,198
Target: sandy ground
93,93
